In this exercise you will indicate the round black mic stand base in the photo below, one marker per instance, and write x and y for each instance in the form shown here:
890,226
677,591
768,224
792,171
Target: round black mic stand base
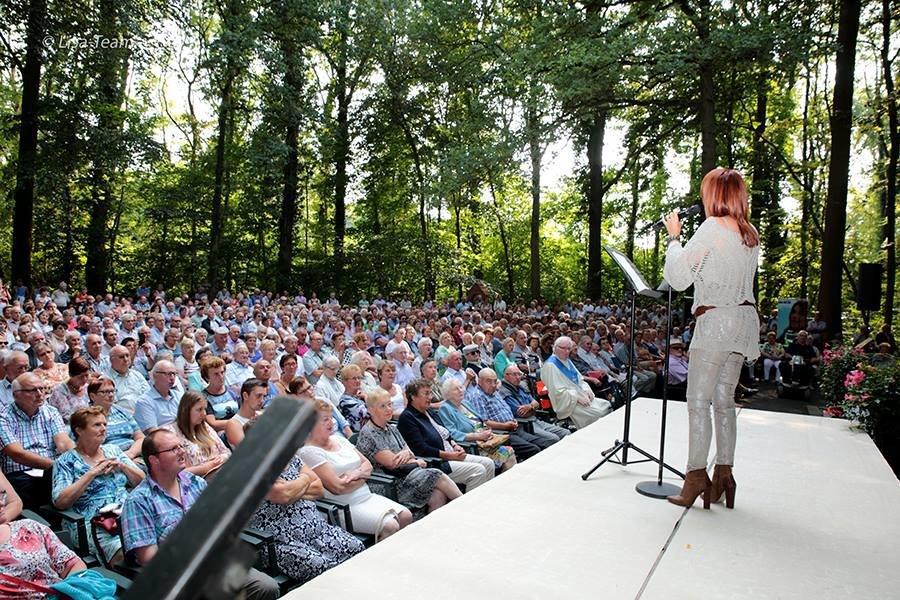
655,489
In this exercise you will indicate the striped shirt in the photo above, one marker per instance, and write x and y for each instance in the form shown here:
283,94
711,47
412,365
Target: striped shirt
150,513
35,434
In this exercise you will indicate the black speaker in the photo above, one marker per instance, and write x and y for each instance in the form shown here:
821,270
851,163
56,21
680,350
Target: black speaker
868,296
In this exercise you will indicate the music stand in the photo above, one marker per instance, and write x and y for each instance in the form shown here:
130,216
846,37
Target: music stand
658,489
637,285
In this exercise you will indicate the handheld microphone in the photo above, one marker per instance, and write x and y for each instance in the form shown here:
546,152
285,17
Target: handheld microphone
682,215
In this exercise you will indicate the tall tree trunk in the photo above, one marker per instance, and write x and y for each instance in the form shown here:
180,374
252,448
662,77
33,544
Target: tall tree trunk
534,150
633,209
69,245
889,207
217,225
507,261
429,287
23,210
288,211
707,108
838,170
457,209
111,81
596,132
342,152
806,200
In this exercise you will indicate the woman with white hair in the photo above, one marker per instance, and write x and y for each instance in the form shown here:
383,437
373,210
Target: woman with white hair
570,394
366,363
328,386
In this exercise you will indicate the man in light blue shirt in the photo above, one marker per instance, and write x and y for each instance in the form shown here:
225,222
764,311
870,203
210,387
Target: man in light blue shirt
160,404
130,385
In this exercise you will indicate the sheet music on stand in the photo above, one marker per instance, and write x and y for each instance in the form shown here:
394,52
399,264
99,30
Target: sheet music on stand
634,277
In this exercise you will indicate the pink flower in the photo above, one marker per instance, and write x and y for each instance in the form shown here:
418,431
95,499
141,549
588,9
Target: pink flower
833,411
854,378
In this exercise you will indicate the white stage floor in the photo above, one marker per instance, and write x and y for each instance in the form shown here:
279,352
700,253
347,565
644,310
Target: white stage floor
816,516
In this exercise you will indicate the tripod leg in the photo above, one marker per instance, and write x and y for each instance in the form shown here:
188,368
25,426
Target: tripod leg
656,460
612,449
611,453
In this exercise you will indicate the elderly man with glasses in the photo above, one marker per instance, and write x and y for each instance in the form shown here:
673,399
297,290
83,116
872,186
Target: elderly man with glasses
160,404
32,435
160,501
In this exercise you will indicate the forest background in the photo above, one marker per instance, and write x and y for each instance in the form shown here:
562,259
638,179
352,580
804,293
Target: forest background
398,146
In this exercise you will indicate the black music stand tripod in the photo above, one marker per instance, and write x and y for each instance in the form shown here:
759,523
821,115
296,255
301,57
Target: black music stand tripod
637,285
658,488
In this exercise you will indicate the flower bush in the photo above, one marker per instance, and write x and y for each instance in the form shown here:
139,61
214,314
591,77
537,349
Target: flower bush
866,392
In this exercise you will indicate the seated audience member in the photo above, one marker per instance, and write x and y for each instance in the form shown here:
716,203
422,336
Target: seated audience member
400,356
301,388
455,368
32,434
151,511
570,395
92,475
239,369
12,508
678,362
205,450
343,471
424,347
772,354
386,373
466,426
504,358
884,358
122,430
305,544
51,372
93,352
523,405
366,363
802,373
160,404
429,374
221,402
262,370
289,364
187,367
328,386
130,385
472,358
486,402
885,336
352,402
644,379
32,552
71,394
73,347
14,365
427,437
381,443
253,398
312,360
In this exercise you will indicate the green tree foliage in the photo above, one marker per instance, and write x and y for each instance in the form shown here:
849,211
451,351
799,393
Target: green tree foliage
400,147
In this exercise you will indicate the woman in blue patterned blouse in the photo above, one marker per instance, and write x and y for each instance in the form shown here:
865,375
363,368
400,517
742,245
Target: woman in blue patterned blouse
91,476
122,430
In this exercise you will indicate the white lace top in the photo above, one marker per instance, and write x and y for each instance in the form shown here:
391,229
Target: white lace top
721,268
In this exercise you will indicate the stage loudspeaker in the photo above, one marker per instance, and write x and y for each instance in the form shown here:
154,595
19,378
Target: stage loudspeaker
869,291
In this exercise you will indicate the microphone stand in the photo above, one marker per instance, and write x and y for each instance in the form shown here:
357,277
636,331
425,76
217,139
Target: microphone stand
658,489
636,285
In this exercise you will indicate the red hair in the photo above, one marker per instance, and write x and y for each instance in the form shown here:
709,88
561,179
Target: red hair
724,194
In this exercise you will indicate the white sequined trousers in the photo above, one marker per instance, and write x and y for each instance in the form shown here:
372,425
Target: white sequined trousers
712,378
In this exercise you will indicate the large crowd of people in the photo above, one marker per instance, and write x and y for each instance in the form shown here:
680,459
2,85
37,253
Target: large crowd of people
138,400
